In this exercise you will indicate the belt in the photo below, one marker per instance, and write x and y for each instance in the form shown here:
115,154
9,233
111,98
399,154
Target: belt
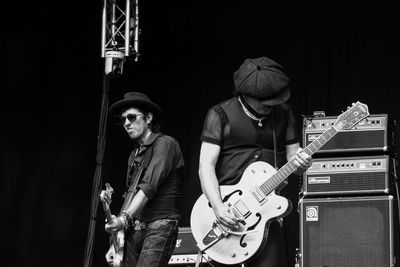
139,225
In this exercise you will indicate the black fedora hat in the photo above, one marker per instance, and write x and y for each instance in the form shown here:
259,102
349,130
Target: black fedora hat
136,100
263,79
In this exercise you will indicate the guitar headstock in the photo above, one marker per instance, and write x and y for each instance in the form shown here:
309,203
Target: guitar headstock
105,195
353,115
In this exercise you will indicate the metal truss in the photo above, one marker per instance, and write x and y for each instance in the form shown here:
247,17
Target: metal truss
120,34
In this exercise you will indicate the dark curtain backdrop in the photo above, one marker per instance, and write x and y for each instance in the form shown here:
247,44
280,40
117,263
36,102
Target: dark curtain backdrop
335,52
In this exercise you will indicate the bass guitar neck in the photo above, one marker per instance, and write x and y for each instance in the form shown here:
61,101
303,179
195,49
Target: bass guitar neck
117,238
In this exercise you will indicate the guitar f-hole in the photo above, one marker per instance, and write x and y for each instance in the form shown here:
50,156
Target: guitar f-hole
244,244
228,196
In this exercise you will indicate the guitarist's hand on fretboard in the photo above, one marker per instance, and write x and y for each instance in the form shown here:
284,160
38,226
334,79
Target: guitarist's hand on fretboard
302,160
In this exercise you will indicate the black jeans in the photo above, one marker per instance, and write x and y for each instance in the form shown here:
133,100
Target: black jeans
151,247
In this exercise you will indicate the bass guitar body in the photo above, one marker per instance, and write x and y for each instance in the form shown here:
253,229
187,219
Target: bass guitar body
118,246
256,212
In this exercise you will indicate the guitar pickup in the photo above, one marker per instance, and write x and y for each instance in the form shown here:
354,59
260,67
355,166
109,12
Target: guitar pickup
258,195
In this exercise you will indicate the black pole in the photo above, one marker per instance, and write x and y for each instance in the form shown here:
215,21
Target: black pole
98,178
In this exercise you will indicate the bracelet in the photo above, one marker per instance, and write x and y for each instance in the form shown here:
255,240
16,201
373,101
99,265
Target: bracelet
125,219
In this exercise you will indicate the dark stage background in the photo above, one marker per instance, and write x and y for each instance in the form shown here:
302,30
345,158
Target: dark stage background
335,53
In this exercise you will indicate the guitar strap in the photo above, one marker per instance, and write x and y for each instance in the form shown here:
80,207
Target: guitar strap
285,182
131,192
240,173
274,138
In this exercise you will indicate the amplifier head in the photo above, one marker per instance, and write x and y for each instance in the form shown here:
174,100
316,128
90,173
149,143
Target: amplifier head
185,252
373,134
349,175
185,244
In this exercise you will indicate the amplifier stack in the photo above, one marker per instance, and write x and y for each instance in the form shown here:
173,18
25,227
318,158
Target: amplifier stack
348,210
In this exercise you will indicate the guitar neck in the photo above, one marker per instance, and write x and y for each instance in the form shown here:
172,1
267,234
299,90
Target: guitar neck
108,213
286,170
109,219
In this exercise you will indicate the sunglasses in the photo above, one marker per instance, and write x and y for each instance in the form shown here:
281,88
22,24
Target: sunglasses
131,118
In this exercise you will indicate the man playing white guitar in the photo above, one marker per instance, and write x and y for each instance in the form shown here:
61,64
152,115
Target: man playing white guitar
255,125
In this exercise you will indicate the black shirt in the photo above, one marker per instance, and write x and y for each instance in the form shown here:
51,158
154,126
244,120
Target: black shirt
162,181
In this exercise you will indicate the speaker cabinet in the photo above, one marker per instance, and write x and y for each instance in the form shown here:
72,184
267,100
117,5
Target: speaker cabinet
347,232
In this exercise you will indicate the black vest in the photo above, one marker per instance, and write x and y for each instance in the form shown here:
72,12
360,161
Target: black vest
248,142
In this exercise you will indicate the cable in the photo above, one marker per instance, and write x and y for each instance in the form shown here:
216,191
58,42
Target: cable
97,180
396,184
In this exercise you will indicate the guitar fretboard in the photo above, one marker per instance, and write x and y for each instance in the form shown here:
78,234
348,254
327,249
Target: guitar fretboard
287,169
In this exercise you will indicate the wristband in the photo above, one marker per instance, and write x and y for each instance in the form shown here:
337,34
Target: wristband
125,219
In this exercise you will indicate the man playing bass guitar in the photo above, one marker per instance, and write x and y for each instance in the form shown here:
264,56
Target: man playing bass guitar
254,125
150,213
